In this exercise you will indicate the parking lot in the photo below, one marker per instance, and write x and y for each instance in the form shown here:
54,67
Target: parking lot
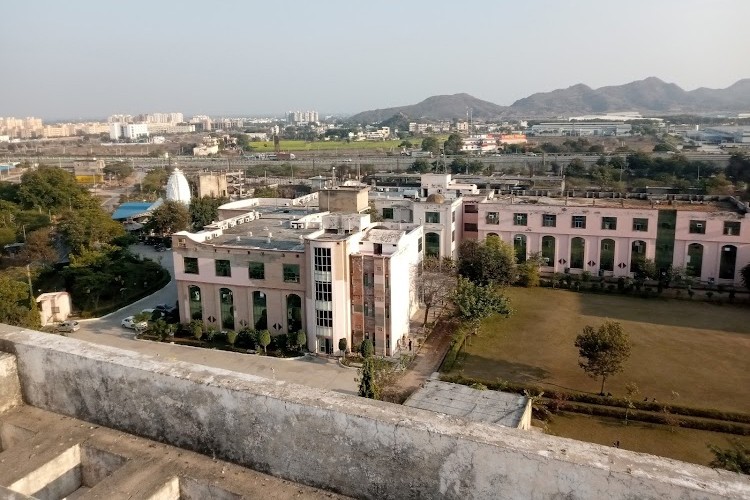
314,372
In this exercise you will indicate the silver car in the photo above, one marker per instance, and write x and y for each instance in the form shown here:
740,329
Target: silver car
67,327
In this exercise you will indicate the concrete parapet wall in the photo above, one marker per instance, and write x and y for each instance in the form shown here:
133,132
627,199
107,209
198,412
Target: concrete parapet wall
351,445
10,388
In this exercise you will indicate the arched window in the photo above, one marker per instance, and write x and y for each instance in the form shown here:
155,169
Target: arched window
577,250
727,262
548,251
294,313
694,265
519,246
226,302
607,255
432,245
260,314
196,305
637,255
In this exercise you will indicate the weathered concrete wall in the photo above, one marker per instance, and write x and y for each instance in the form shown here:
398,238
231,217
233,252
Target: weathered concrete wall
10,388
358,447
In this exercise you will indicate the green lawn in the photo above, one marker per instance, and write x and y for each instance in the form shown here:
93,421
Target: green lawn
689,445
329,146
696,349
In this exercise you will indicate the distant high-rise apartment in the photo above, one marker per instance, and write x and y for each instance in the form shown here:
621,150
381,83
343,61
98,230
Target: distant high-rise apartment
296,117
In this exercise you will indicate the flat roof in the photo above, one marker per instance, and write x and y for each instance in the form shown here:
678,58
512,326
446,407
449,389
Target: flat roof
133,209
276,221
492,407
384,235
633,203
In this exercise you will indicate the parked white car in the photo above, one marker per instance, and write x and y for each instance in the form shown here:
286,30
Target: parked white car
131,323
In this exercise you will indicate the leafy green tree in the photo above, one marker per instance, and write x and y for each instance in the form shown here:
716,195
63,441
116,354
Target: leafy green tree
87,228
264,338
453,145
406,144
528,272
745,273
366,348
738,169
266,192
204,211
475,303
421,165
52,189
491,261
169,218
603,351
736,458
119,170
368,387
718,184
342,345
162,329
431,144
576,168
17,307
155,181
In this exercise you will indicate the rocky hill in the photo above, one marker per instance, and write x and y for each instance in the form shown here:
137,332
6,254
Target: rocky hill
651,96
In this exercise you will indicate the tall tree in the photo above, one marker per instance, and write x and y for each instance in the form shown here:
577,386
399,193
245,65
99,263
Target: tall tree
431,144
88,227
204,211
53,189
436,281
39,248
491,261
119,170
17,306
155,181
170,217
368,387
453,145
476,303
603,351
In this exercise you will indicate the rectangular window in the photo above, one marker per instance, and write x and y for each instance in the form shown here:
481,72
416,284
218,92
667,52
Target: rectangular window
256,271
609,223
223,268
291,273
698,226
191,265
471,227
432,217
419,245
493,217
387,311
732,228
579,221
322,257
471,208
453,216
324,318
640,224
520,219
369,310
323,291
453,235
368,280
549,220
388,213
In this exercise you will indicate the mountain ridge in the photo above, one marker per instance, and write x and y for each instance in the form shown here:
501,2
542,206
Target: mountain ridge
649,96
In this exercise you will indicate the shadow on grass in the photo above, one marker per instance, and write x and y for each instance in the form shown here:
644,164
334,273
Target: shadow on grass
482,367
668,312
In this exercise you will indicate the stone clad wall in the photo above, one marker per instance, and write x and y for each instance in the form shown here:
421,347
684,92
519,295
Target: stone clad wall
354,446
10,389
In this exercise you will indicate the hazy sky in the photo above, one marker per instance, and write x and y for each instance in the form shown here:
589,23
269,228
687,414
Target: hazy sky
80,58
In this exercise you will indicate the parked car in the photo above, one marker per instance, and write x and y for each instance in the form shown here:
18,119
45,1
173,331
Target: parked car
67,326
131,323
164,307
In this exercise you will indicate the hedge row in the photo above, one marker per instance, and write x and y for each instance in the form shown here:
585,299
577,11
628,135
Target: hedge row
519,388
457,342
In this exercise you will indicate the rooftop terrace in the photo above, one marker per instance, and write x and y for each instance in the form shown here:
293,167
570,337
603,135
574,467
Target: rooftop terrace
706,204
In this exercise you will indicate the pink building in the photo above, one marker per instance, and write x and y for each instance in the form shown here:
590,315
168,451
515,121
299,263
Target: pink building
608,236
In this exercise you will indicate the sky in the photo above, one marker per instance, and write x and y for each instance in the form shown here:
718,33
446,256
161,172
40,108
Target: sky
83,59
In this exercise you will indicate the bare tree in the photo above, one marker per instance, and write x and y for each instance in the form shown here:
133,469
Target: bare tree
436,280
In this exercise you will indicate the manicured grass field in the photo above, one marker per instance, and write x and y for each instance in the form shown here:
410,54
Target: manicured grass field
689,445
329,146
699,350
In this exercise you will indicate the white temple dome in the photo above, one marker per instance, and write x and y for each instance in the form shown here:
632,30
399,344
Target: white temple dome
178,188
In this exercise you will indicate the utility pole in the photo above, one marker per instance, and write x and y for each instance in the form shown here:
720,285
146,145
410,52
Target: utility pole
31,288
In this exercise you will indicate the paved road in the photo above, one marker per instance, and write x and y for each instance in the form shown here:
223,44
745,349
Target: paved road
314,372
